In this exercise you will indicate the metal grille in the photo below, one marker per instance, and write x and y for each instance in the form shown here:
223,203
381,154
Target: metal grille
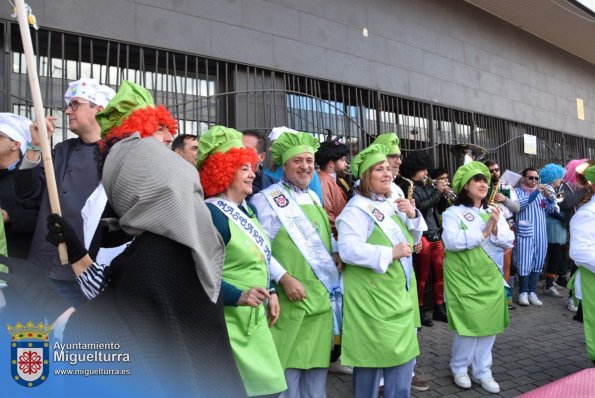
202,92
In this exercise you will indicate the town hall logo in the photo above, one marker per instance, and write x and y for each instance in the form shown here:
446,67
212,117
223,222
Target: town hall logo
29,353
280,199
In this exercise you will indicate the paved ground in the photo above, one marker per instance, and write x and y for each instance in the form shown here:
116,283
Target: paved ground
541,344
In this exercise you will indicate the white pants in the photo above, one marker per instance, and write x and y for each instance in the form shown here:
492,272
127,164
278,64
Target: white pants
474,351
305,383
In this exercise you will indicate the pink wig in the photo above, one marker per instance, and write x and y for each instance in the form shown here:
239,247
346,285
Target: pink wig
570,176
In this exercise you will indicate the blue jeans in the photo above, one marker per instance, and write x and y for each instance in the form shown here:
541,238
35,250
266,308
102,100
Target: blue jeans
528,284
397,381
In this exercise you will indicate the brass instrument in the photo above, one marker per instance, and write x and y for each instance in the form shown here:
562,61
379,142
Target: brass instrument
495,190
409,189
470,152
549,192
450,195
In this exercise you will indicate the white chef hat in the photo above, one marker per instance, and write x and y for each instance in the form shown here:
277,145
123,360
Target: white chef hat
90,90
17,128
277,131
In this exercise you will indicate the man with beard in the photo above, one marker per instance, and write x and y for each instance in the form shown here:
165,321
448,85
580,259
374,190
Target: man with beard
332,159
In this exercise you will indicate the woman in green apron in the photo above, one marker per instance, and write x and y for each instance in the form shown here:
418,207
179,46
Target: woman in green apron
226,175
380,299
474,238
582,236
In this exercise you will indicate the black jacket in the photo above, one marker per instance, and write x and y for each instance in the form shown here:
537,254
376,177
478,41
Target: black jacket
426,200
22,213
77,176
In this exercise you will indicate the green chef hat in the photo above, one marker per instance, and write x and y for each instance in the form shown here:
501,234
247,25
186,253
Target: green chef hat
391,141
217,139
367,158
289,144
590,174
129,98
466,172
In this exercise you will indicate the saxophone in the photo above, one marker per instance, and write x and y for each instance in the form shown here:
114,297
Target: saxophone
409,189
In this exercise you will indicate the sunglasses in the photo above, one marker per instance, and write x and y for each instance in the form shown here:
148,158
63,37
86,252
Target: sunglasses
533,178
479,177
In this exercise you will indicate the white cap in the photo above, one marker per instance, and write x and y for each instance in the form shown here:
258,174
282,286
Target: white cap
90,90
17,128
277,131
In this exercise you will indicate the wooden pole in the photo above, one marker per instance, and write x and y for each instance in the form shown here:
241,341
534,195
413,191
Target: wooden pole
46,154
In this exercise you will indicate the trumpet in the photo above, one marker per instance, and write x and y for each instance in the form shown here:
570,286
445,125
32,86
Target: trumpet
549,192
449,193
495,190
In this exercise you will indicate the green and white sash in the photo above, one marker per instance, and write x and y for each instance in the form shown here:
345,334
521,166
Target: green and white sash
394,231
233,213
306,238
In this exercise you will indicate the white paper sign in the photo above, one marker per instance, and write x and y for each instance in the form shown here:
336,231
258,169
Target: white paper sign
510,178
530,144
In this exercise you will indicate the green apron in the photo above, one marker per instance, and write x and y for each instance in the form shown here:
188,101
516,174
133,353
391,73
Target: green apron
475,299
3,246
379,314
304,332
588,289
249,334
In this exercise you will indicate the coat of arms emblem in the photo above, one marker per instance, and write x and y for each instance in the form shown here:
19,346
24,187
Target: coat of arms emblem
378,214
29,353
280,200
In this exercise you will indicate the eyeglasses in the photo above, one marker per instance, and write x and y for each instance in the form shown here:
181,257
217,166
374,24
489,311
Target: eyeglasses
497,169
533,178
74,105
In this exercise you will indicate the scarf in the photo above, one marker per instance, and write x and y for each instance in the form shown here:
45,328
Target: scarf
527,189
153,189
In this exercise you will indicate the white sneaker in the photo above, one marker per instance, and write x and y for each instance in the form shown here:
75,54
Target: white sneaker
570,305
336,367
462,380
533,299
524,299
489,384
552,292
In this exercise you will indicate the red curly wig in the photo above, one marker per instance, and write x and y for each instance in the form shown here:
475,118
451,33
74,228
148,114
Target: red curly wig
219,170
146,121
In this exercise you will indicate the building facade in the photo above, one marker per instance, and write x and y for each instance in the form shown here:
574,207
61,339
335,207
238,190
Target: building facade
436,72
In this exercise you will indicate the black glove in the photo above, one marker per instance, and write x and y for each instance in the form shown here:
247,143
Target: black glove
59,230
32,283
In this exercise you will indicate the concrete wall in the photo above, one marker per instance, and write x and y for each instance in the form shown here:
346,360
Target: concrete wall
448,52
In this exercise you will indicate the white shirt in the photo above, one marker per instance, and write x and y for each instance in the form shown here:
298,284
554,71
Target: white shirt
395,192
456,239
582,236
355,227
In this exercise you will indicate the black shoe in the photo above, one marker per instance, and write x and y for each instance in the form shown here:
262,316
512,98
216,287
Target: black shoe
440,313
425,321
579,314
562,281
